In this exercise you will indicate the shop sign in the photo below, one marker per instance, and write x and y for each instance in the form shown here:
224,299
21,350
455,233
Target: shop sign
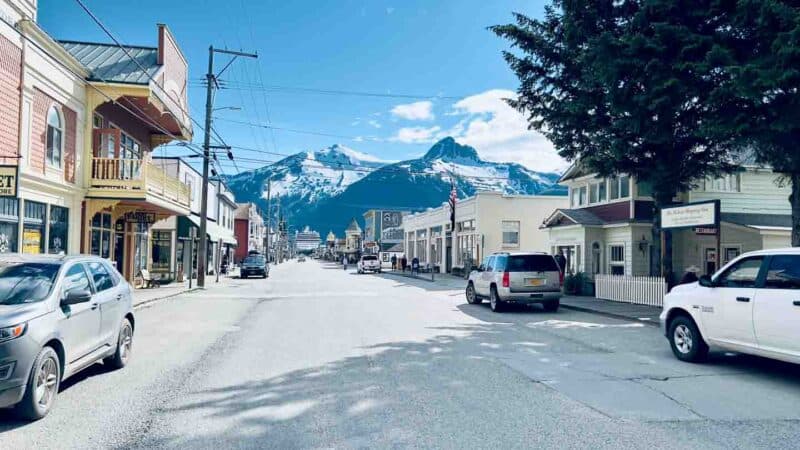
31,241
140,217
9,180
705,231
692,215
391,219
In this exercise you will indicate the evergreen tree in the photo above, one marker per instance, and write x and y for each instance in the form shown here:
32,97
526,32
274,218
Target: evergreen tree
621,87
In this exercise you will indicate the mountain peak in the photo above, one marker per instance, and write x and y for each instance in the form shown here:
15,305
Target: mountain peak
449,150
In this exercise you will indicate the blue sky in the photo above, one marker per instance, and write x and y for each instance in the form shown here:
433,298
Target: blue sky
427,48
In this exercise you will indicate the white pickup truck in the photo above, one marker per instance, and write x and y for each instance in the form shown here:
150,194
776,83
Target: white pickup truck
369,263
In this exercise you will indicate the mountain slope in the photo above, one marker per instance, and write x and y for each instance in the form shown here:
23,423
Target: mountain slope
326,189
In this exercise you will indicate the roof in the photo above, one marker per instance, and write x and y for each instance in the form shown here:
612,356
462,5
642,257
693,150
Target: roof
396,248
110,63
578,216
353,225
758,220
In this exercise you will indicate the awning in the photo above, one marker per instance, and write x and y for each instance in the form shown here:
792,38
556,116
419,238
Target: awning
215,232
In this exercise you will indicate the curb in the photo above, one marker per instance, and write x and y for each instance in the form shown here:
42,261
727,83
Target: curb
611,315
157,299
409,276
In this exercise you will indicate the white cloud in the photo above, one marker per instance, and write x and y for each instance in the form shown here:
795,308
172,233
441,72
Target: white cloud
374,123
416,135
414,111
500,133
389,10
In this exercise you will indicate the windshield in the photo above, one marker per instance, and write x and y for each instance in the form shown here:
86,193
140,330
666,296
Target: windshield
531,263
26,283
254,260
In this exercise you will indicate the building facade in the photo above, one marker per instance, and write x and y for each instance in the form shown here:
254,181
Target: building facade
249,229
382,229
486,222
607,228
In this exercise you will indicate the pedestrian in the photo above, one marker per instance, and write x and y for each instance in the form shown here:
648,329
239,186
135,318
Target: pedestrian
403,263
415,265
561,261
394,262
344,262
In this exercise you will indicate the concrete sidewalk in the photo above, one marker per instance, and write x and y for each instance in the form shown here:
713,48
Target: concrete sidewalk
145,296
626,311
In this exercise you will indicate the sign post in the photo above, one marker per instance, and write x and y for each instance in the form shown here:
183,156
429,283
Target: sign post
701,216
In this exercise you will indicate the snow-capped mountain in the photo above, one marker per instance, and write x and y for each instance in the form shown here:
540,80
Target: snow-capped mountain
326,188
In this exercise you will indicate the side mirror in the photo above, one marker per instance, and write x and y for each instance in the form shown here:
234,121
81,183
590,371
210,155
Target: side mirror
706,281
480,268
76,296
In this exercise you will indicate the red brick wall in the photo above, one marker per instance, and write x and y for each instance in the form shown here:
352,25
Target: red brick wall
41,104
10,76
241,229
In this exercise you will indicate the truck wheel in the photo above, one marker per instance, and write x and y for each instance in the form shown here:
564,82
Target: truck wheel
686,341
495,303
472,296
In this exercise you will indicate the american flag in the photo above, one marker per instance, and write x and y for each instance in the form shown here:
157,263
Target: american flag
452,201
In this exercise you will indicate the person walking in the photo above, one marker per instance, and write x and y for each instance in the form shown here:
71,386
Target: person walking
344,262
394,262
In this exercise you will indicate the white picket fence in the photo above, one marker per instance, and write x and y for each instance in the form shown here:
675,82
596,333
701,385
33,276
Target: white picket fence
648,291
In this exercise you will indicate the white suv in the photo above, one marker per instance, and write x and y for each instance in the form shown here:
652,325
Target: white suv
752,305
369,263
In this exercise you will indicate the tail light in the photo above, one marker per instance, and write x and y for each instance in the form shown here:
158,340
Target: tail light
561,278
506,280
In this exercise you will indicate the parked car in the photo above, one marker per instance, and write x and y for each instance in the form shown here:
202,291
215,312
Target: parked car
254,264
301,258
523,277
751,306
58,315
369,263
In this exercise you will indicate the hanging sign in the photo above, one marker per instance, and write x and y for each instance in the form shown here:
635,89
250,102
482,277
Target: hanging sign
140,217
692,215
9,180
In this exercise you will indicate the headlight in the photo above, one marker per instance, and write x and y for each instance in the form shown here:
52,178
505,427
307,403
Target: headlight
9,333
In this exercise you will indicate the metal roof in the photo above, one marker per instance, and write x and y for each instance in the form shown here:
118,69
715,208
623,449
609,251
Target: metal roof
110,63
581,216
758,220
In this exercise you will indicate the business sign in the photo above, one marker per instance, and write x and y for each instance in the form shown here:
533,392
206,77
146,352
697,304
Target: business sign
31,241
705,231
391,219
692,215
140,217
392,235
9,180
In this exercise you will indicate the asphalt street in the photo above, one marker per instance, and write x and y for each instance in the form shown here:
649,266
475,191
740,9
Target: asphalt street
318,357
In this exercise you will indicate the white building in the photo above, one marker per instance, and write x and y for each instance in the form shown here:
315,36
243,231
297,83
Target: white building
486,222
607,229
306,241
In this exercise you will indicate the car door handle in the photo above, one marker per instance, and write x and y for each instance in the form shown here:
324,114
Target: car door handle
95,306
119,297
743,299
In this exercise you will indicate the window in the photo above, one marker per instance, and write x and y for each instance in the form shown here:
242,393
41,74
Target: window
76,279
33,227
500,263
579,196
510,232
55,137
490,264
784,272
102,279
742,274
597,192
624,187
97,121
162,250
616,261
101,235
613,188
619,187
59,226
596,269
531,263
727,183
644,189
9,224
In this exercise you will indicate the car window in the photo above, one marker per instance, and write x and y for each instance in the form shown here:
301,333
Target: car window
532,263
254,260
102,279
490,264
500,263
485,263
743,274
26,282
784,272
76,280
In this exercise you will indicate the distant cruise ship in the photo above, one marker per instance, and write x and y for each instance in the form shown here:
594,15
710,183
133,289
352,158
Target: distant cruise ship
306,240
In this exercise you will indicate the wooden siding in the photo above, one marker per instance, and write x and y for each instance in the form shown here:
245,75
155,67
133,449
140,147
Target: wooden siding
760,194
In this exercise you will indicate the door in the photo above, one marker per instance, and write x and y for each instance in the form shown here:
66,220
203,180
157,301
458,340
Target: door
108,297
485,277
710,260
80,325
776,311
728,313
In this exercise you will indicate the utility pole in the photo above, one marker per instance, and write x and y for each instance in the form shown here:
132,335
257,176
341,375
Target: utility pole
269,228
211,79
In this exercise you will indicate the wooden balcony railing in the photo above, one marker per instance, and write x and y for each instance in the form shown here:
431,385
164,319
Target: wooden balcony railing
137,176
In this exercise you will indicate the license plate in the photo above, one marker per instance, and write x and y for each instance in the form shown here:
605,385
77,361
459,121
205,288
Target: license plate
534,281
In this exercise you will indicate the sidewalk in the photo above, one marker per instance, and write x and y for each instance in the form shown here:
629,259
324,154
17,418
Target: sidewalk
145,296
618,310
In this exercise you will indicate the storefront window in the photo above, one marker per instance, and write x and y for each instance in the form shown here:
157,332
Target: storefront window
162,250
140,242
33,227
9,224
59,226
101,235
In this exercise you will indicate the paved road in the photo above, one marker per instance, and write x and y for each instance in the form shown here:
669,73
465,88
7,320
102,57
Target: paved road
318,357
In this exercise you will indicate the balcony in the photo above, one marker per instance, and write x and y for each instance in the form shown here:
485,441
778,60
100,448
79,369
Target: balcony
134,179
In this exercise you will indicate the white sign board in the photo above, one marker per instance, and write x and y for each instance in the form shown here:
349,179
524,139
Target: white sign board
692,215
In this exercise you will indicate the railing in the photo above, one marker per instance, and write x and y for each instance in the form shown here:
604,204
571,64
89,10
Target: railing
135,175
648,291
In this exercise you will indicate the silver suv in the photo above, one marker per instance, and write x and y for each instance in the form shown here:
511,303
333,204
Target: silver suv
516,278
58,315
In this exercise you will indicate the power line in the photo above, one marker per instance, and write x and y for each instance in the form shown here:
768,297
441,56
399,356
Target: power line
294,130
341,92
